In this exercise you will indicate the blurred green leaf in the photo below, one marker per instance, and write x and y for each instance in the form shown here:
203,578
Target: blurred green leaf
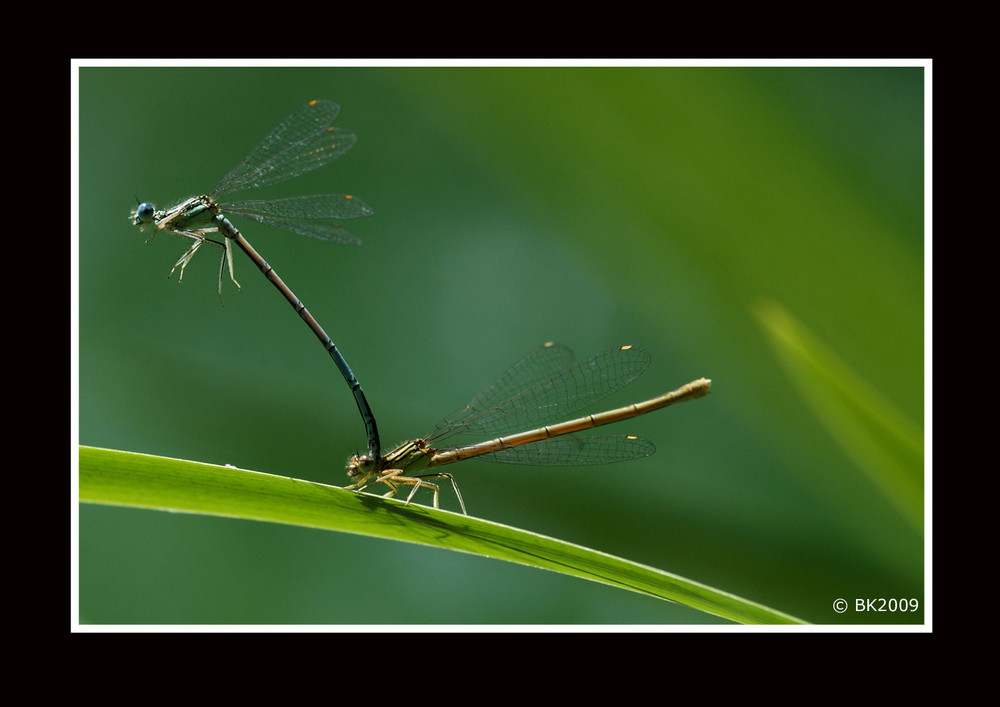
125,478
875,434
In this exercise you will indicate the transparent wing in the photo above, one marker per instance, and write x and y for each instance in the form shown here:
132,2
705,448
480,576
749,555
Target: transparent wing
307,215
302,142
575,450
542,388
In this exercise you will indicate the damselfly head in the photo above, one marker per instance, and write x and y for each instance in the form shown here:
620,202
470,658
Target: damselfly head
142,214
360,466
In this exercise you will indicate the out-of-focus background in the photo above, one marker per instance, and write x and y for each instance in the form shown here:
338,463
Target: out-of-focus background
691,211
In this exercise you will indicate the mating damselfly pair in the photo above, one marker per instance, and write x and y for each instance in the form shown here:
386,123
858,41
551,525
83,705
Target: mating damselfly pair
526,408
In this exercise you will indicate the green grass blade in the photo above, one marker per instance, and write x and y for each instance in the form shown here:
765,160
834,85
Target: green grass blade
125,478
882,441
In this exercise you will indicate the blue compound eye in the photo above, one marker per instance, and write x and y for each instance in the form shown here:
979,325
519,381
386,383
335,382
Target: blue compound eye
144,214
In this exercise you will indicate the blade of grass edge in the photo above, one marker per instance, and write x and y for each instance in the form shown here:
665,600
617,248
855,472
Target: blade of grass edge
881,440
127,478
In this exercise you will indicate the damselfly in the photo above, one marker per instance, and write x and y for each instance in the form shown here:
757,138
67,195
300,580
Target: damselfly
304,141
543,387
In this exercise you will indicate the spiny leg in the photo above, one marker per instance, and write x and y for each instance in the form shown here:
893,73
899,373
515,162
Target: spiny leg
386,478
360,485
200,239
185,259
419,480
227,256
438,475
393,478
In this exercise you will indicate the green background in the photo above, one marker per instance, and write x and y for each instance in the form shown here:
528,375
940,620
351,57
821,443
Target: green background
592,206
